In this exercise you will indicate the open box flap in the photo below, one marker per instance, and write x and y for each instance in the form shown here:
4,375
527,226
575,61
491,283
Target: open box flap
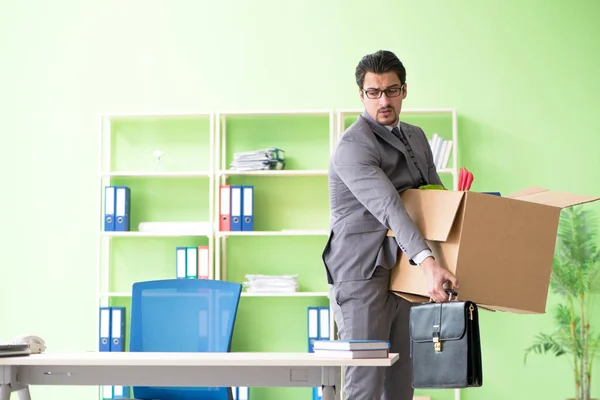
547,197
526,192
433,211
415,298
505,309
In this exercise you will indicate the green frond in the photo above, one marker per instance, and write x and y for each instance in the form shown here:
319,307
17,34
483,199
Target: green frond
562,316
594,279
544,344
575,276
594,345
576,263
577,230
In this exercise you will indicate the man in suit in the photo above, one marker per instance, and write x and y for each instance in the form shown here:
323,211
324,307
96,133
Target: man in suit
378,156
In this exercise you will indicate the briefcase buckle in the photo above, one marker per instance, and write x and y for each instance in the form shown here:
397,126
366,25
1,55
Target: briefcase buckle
437,343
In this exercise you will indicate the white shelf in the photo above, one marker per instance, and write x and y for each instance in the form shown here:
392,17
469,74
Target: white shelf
155,234
161,115
431,110
274,112
290,232
158,174
290,294
289,172
115,294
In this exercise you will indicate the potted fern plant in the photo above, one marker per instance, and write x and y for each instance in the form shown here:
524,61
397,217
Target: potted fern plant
576,279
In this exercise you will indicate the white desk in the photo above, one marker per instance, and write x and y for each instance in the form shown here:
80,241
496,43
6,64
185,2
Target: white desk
176,369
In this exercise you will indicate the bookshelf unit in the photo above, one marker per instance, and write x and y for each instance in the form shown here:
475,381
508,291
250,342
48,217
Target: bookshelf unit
291,210
176,189
442,121
291,227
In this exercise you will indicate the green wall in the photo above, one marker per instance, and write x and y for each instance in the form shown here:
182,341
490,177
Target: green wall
522,75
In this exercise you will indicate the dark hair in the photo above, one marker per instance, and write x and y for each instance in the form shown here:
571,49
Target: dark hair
378,63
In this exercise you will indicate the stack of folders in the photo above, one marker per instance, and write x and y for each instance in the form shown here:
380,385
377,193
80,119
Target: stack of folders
112,338
259,160
192,262
352,348
441,149
236,208
271,283
318,329
117,206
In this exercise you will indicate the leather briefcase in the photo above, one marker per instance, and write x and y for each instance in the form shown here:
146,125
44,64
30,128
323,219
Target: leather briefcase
445,345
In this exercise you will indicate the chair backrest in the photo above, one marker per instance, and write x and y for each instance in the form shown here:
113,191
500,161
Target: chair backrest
183,315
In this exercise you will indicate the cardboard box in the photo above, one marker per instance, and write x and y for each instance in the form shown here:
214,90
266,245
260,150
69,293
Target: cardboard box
500,248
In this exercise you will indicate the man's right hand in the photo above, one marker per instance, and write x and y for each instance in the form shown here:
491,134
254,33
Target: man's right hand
436,276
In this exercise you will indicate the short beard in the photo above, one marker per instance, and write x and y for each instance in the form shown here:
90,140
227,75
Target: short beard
395,121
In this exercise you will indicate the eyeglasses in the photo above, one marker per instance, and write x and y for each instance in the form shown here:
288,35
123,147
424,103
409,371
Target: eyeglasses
389,92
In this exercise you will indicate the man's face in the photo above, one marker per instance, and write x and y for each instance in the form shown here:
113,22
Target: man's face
385,109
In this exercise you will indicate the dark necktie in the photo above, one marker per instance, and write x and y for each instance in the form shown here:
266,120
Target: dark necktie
400,135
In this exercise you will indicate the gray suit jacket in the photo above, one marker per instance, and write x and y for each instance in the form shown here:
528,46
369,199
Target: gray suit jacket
368,169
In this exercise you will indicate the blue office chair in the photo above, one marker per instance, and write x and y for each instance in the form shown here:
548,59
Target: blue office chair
183,315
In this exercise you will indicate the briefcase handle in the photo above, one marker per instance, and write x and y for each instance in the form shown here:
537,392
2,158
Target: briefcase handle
450,292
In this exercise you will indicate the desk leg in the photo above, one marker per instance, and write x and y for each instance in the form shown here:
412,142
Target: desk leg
328,393
5,391
24,393
330,381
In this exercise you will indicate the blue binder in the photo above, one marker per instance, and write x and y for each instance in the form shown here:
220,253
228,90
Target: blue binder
313,327
109,208
240,393
121,392
105,328
323,327
324,323
122,208
117,342
115,392
247,208
236,207
180,262
318,393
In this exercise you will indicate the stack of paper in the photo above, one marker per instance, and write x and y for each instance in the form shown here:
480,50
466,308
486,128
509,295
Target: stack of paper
352,348
256,160
271,283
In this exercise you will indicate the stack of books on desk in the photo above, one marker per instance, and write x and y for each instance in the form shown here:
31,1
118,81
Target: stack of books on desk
352,348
